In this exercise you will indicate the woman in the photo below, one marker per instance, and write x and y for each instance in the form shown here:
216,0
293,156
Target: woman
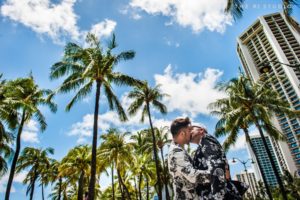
210,155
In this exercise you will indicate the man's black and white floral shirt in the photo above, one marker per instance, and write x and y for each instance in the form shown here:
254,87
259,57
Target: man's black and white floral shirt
185,177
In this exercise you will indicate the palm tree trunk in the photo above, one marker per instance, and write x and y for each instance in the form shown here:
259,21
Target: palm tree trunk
147,185
123,184
277,175
43,191
59,188
246,131
80,186
155,154
16,156
120,187
164,170
33,186
112,182
140,185
91,195
136,189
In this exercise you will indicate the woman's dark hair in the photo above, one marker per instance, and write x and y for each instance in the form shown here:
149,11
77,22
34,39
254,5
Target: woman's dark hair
178,124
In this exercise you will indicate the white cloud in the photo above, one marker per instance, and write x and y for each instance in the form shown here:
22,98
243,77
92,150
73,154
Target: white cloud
18,178
196,14
43,16
131,12
171,43
189,93
30,132
83,129
54,20
104,28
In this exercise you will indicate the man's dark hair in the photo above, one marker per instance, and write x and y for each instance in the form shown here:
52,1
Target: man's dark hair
178,124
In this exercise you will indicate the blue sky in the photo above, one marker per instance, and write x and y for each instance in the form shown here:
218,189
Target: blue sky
187,47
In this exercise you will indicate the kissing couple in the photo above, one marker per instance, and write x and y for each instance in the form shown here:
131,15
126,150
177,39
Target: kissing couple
206,176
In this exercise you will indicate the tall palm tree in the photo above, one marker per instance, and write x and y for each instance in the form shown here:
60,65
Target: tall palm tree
141,166
6,151
36,160
162,140
60,191
85,67
141,142
76,165
229,125
235,8
55,178
252,103
144,96
25,97
7,116
117,152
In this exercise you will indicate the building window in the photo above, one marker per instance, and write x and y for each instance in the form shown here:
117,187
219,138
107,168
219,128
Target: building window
294,145
295,151
290,135
296,126
292,140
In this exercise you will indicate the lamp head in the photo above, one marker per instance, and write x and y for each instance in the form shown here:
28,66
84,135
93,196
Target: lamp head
265,67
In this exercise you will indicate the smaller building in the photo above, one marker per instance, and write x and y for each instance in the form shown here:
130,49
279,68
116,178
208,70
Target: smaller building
264,160
249,179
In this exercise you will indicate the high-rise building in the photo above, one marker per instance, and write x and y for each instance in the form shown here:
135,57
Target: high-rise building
271,38
249,179
264,160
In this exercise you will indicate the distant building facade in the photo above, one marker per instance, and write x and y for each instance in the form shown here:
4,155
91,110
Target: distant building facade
271,38
249,179
264,159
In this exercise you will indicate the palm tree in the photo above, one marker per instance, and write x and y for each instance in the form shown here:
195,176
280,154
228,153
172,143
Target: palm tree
60,191
36,160
141,142
55,177
6,152
85,67
235,8
229,126
144,96
115,151
142,166
25,97
7,116
162,140
248,103
76,165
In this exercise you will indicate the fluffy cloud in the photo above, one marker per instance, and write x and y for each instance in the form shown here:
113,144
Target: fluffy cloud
17,179
190,93
83,129
197,14
104,28
54,20
30,133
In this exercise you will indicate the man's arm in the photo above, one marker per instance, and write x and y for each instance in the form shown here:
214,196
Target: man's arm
181,165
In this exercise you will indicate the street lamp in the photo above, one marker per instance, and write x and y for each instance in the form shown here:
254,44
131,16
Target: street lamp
265,66
295,64
245,168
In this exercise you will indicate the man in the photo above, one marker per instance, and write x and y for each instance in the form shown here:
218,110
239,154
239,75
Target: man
210,155
185,177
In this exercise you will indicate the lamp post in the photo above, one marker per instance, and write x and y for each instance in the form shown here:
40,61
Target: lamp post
245,168
295,64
